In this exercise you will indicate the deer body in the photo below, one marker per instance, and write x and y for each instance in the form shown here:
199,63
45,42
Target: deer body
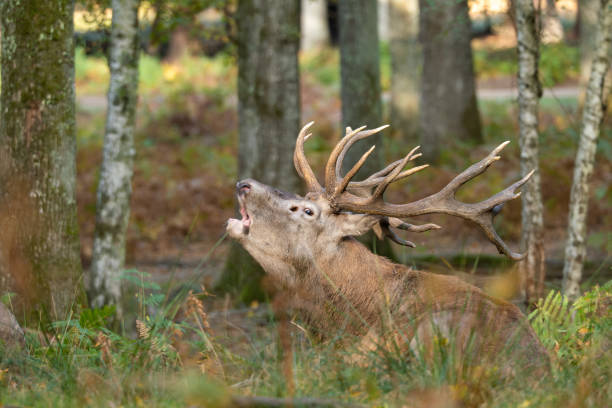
307,245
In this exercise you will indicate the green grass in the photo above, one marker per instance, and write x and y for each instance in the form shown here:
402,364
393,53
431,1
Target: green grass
170,361
92,74
558,63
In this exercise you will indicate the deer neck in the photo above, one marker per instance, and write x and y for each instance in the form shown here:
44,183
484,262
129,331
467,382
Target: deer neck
354,281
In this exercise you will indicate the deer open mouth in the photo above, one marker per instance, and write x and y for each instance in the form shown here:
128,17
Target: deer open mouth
240,228
246,219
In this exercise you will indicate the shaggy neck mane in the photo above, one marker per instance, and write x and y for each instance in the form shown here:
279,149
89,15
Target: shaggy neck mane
351,284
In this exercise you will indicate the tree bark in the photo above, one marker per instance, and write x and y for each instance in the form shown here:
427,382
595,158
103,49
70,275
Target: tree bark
315,33
532,268
268,113
592,117
115,185
589,12
361,92
589,9
448,106
405,67
39,230
552,29
360,78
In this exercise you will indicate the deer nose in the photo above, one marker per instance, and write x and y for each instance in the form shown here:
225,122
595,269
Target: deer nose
243,187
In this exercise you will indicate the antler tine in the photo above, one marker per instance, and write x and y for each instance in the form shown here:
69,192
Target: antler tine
346,179
399,224
444,201
389,233
358,137
383,172
330,175
373,182
301,163
475,169
382,231
376,178
296,162
391,177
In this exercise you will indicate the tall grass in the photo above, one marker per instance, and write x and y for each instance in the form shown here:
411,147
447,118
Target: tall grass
175,358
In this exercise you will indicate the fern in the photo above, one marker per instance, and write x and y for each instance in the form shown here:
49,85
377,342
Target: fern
568,328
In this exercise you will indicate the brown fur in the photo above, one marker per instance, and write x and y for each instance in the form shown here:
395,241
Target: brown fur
337,283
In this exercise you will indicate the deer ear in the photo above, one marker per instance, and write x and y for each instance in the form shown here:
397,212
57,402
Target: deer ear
356,224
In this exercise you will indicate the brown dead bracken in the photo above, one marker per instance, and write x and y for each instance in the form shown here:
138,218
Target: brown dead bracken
307,245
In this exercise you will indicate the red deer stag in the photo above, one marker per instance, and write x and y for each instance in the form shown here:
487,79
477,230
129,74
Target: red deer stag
306,244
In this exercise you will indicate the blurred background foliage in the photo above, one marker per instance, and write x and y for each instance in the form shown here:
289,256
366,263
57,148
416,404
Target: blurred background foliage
187,126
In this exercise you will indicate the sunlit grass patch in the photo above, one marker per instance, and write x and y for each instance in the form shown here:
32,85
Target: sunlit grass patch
155,76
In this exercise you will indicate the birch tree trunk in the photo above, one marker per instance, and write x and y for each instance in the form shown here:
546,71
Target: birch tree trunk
115,185
405,67
532,268
315,33
589,12
589,9
448,106
360,78
268,114
39,234
552,29
592,117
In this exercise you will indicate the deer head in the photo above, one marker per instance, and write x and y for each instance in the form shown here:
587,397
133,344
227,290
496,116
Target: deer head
284,231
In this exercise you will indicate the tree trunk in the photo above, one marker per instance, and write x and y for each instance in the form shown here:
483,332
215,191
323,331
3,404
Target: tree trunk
448,106
360,91
589,9
178,45
383,24
315,33
592,117
360,78
115,186
268,113
532,268
405,67
589,12
552,29
39,230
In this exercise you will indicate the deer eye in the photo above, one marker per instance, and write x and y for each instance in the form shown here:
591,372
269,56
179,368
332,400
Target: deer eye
308,211
293,209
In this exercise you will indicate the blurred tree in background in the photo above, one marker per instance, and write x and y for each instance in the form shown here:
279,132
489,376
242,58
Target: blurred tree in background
592,117
360,78
360,91
315,32
40,234
532,268
405,67
115,185
268,39
448,106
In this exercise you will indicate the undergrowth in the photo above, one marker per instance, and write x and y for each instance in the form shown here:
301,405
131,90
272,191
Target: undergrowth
169,355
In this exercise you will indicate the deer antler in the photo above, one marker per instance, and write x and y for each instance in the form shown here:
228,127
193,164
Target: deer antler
356,196
444,201
301,163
